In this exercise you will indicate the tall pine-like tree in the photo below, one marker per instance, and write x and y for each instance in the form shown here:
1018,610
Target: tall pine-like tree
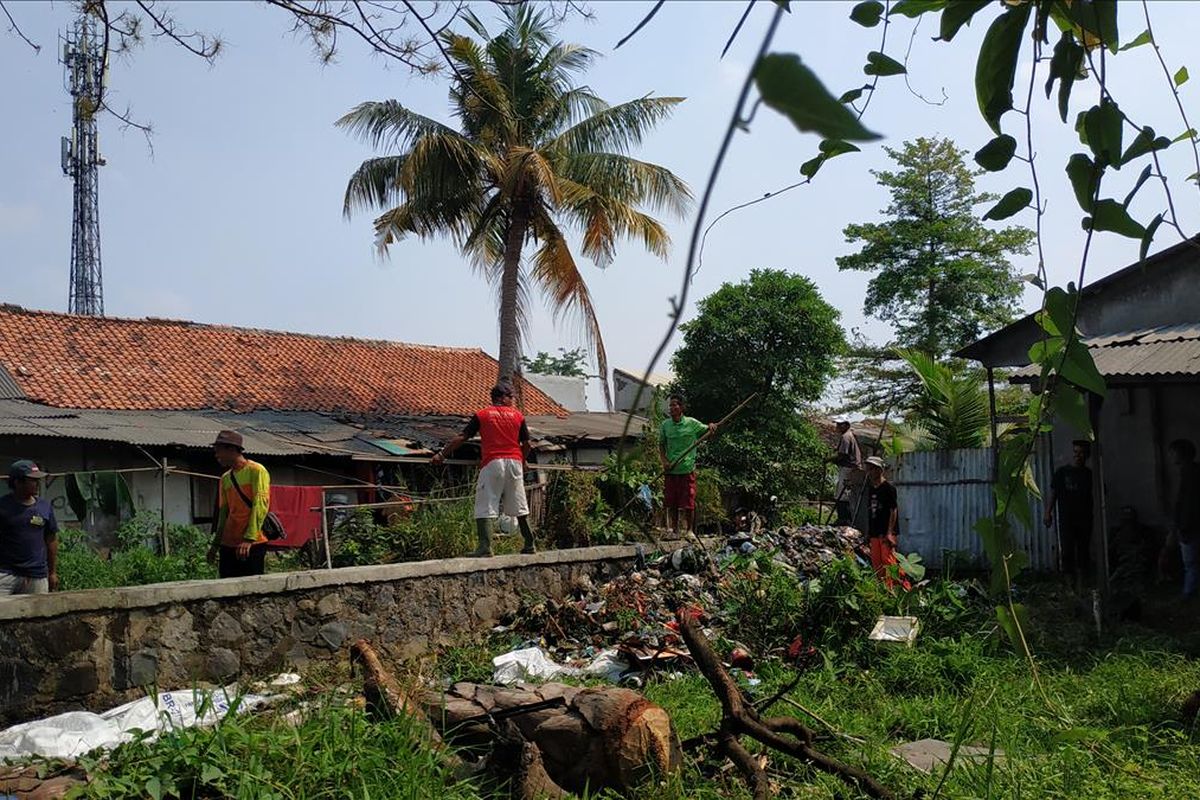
942,277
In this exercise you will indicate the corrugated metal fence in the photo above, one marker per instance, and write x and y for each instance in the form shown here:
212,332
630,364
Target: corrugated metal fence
944,492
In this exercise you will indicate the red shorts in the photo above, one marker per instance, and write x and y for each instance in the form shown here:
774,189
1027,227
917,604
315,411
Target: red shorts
679,491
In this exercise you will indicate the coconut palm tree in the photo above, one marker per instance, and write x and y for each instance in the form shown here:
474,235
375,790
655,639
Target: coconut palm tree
534,155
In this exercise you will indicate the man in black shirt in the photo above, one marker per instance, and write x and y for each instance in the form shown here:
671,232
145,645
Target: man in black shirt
28,534
1071,497
883,520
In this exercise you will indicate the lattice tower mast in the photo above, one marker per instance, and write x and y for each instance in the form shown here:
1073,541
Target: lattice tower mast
84,78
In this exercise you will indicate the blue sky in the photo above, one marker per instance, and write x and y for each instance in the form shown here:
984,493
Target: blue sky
236,216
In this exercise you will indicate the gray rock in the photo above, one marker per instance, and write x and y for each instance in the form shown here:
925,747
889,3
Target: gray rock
329,606
143,668
222,663
334,634
79,679
225,629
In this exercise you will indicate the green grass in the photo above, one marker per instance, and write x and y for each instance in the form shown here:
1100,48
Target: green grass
1101,721
335,751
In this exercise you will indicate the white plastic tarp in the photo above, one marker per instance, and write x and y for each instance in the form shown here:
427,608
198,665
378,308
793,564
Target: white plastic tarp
74,733
532,664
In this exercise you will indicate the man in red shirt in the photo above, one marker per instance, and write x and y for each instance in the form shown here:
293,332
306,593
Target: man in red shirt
505,438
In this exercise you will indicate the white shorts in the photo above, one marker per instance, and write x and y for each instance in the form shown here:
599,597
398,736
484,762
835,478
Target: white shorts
501,483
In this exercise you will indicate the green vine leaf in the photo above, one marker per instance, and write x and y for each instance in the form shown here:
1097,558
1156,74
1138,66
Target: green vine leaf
1109,215
1084,177
809,168
854,94
882,65
996,68
1010,204
836,147
1013,627
995,155
915,8
1145,142
1151,229
1145,176
958,14
1097,18
1079,368
792,89
867,13
1070,405
1059,310
1065,67
786,5
1142,38
1181,77
1190,133
1103,127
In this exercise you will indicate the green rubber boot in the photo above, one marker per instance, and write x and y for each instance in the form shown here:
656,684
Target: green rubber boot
527,535
483,530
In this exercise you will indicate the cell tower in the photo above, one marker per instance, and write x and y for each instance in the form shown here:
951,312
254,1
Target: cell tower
81,161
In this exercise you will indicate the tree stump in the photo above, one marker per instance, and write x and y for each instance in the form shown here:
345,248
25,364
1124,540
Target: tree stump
595,738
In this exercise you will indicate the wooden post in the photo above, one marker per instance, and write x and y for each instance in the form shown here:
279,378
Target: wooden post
166,545
325,532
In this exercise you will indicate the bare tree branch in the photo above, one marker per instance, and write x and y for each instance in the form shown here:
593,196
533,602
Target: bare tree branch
15,28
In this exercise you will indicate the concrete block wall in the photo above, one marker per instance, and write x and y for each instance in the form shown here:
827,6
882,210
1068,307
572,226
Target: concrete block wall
98,648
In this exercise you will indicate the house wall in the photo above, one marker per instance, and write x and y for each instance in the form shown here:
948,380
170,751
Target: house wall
1135,426
569,391
625,389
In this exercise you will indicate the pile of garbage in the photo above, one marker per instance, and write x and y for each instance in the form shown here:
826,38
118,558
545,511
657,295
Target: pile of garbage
625,627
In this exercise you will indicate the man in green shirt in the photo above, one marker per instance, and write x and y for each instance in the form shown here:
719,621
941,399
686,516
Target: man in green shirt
678,456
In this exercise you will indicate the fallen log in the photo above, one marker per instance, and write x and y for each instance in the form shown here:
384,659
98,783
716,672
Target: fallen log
739,718
589,739
384,697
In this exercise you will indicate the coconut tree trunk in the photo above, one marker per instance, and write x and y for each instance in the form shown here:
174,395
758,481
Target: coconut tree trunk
510,284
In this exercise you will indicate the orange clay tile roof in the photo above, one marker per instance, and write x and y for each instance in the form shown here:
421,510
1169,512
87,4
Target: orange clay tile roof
71,361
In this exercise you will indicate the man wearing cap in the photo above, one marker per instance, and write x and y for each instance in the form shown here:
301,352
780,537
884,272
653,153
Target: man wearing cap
848,459
28,535
501,484
883,521
243,500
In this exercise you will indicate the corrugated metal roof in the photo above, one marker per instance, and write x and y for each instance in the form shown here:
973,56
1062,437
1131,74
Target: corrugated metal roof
593,425
265,432
8,386
1169,350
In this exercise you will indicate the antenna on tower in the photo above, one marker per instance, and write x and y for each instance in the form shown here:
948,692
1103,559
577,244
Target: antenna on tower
84,78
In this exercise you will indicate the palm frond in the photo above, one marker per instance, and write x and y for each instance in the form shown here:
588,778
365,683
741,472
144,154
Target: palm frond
557,275
954,410
624,179
616,129
375,183
387,124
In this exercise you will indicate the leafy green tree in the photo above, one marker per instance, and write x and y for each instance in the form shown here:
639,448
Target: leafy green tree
533,153
772,334
567,362
942,277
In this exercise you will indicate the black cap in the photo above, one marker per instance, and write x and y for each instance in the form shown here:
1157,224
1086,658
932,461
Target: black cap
25,469
502,390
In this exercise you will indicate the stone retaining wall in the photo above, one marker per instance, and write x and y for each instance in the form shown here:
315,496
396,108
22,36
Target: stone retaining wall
98,648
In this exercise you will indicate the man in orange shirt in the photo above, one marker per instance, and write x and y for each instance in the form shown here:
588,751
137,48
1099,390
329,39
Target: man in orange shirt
244,498
505,438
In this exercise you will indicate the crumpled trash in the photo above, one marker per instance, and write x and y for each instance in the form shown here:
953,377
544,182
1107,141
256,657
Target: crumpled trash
74,733
529,663
644,496
608,665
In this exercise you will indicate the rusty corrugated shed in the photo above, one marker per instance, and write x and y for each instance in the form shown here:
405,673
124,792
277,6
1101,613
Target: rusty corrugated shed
943,493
